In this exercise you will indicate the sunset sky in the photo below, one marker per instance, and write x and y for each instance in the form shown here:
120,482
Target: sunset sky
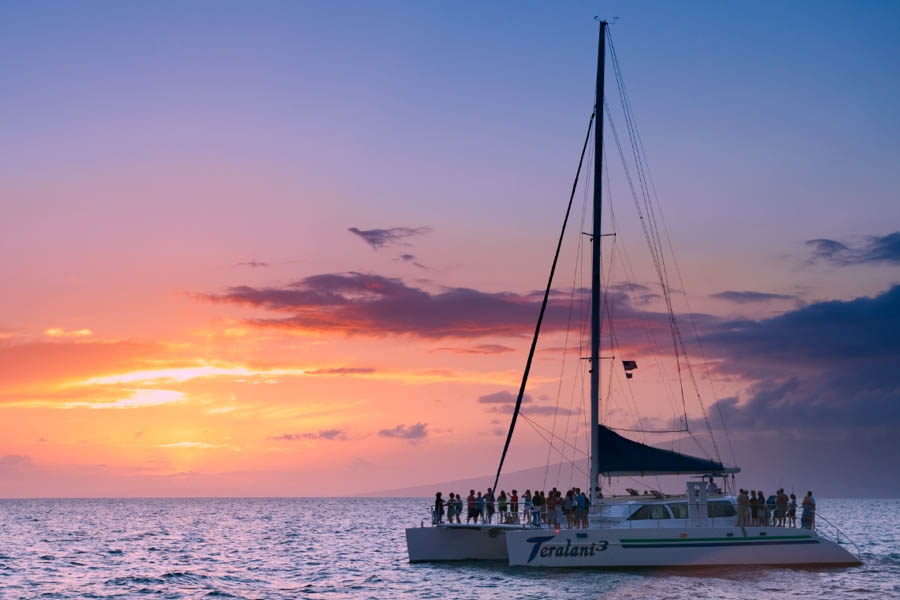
295,248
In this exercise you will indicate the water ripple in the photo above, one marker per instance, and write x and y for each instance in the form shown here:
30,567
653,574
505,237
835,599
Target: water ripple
355,548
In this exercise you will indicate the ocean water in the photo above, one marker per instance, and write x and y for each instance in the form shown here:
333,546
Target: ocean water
355,548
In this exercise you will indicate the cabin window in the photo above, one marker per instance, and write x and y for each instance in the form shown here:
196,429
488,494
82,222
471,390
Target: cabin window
614,511
650,511
721,509
679,510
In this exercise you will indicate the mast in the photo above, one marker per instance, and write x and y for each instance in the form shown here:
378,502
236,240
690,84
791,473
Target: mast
595,269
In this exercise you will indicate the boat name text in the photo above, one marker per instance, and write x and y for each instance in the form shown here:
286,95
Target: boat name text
569,550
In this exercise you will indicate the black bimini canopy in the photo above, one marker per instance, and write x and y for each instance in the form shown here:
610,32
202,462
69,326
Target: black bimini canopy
620,456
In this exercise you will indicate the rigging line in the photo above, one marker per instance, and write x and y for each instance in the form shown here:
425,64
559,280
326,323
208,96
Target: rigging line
608,312
644,224
565,348
575,435
629,395
677,338
551,436
614,343
631,126
640,161
642,318
654,253
561,374
687,302
613,346
643,483
583,333
626,109
578,380
613,338
649,430
579,275
690,369
629,272
575,280
585,421
537,328
644,177
534,426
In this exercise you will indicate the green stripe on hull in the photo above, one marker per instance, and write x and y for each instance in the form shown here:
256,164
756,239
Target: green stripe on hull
714,539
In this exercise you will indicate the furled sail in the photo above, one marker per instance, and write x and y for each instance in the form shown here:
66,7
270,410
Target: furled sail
620,456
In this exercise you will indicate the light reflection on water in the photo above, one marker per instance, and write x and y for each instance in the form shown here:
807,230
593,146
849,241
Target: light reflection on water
355,548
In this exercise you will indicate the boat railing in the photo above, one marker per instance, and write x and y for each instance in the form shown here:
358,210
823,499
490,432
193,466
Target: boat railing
527,517
521,516
837,536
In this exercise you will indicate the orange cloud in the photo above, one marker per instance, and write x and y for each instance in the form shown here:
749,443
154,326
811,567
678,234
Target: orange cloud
76,333
67,359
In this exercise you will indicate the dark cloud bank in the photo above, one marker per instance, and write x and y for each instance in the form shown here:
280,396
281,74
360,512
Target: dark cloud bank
874,249
829,366
381,238
748,297
323,434
370,304
413,433
824,407
505,402
825,376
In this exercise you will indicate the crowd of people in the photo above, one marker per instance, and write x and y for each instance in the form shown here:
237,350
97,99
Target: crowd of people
552,508
780,510
555,509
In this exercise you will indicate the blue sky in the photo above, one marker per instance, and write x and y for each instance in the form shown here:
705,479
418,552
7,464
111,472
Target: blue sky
160,156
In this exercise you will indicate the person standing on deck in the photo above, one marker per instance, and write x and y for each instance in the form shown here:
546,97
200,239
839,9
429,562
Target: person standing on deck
536,509
792,511
579,507
743,502
812,511
457,507
781,504
763,509
568,504
473,507
807,517
551,510
526,511
479,506
451,507
559,508
501,505
514,505
438,509
489,505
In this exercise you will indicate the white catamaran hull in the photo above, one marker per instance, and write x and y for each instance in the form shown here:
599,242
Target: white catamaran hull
454,542
626,547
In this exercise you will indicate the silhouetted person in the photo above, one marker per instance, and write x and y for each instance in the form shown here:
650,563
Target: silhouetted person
743,502
438,509
792,511
514,505
808,516
472,508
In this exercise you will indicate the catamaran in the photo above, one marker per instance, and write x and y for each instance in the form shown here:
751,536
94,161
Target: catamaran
698,528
